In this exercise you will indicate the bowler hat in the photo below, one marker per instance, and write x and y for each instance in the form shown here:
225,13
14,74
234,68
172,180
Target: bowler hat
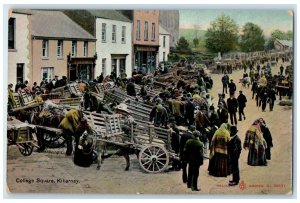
233,130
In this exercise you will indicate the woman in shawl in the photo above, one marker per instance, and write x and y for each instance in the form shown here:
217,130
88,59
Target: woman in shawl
218,158
256,144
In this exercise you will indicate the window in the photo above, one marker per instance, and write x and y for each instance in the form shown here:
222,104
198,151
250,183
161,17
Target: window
47,73
85,49
74,48
104,66
164,56
164,41
20,72
11,33
113,36
138,30
146,31
45,48
103,32
60,48
153,31
123,34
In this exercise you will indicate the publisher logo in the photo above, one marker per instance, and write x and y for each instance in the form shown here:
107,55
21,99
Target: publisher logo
242,185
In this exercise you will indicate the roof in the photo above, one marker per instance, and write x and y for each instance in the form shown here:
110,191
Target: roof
22,11
55,24
109,14
285,42
163,31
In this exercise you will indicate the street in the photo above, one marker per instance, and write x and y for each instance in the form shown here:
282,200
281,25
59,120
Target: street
54,172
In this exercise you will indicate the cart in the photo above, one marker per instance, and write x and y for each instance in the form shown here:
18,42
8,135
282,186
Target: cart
22,135
151,143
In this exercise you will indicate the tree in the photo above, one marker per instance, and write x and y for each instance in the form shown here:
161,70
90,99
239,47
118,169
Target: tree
252,38
183,45
278,34
222,35
196,42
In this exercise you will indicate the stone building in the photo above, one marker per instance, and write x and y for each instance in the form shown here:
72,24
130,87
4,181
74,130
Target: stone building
169,20
164,44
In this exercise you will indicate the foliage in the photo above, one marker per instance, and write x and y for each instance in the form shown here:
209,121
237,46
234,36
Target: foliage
183,46
196,42
222,35
252,38
278,34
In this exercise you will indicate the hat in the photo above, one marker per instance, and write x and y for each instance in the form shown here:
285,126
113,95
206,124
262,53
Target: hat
64,77
159,107
233,130
196,133
56,76
231,80
192,128
122,107
10,85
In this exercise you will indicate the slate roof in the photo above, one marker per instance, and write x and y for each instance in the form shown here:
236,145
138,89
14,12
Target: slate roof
285,42
22,11
55,24
109,14
163,31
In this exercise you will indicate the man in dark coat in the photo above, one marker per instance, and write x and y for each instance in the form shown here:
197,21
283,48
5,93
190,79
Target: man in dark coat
183,139
281,69
175,144
232,105
263,98
62,82
193,151
131,89
242,104
234,151
189,111
232,87
272,98
225,81
222,113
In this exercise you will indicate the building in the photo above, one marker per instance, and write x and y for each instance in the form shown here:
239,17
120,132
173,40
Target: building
145,38
169,20
61,47
19,46
164,44
283,45
114,42
113,33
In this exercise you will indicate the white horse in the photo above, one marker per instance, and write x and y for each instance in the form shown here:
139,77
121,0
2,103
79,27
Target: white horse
245,82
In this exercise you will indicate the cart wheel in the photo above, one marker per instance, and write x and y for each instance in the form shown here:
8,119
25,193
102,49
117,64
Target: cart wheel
25,149
53,140
154,159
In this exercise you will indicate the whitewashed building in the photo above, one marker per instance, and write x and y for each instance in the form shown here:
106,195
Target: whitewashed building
164,44
19,51
114,42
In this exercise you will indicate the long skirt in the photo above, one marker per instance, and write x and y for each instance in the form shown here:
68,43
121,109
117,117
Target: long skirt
218,165
257,157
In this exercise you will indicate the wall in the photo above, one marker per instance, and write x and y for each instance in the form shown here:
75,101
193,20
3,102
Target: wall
21,53
152,16
169,20
105,49
59,64
165,49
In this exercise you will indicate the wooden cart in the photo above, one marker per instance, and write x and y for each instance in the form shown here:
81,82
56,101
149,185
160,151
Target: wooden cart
22,135
152,143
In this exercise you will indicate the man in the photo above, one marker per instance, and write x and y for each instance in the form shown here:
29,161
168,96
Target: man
272,98
234,151
194,156
225,81
183,139
232,87
232,105
62,82
130,88
11,99
160,116
263,98
189,111
222,113
242,104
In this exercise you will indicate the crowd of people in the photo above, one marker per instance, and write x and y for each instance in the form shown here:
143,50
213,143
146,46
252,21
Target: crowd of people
190,104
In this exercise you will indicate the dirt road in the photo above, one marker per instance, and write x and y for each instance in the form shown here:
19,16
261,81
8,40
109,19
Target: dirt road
56,173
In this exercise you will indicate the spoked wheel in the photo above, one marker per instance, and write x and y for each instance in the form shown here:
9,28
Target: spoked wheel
154,159
25,149
53,140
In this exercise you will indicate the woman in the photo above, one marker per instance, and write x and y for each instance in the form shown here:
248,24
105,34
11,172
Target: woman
256,144
218,162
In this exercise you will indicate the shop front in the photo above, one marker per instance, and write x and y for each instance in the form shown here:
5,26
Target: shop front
145,58
81,68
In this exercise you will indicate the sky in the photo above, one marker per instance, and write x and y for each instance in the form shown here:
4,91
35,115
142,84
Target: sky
268,20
